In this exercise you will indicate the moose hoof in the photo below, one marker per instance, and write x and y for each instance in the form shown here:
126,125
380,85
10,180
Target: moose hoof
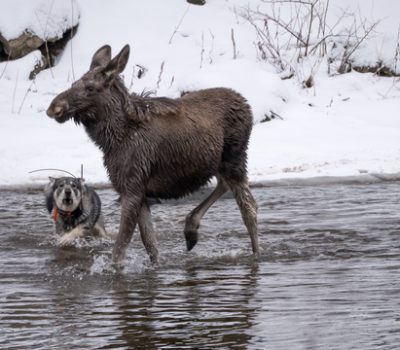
191,239
154,258
118,267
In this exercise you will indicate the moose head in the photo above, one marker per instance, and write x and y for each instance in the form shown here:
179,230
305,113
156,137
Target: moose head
94,90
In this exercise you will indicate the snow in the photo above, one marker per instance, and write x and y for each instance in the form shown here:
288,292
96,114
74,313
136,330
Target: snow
44,18
20,69
345,125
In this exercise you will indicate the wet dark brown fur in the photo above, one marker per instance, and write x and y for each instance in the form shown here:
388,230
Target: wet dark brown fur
161,147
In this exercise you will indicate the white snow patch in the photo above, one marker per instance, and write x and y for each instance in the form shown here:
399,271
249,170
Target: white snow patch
21,68
346,125
44,18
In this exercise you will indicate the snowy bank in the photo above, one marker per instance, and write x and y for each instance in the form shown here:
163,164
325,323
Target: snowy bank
345,125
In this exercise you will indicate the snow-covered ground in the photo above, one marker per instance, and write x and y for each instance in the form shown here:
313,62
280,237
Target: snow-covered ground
345,125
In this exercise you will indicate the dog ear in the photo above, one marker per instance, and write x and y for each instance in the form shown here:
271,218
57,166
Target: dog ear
48,192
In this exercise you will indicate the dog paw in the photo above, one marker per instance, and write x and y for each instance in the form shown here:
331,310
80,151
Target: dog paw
66,241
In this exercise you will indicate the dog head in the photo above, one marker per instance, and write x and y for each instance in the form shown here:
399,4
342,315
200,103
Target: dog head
65,193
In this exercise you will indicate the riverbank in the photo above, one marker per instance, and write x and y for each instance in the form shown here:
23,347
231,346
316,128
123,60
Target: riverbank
344,125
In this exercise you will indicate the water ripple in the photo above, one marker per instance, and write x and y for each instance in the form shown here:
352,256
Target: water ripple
327,277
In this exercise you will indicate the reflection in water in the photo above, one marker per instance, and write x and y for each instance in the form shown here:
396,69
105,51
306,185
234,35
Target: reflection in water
188,309
327,278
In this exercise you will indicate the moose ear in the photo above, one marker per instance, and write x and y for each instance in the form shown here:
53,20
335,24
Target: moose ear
101,57
118,63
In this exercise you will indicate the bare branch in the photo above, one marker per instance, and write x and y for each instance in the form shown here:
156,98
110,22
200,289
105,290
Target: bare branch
72,34
360,41
26,95
14,92
178,25
202,50
160,75
234,44
302,2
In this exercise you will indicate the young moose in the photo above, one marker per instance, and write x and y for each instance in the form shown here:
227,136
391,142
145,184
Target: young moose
161,147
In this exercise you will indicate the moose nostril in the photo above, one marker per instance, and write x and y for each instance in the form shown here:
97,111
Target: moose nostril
57,110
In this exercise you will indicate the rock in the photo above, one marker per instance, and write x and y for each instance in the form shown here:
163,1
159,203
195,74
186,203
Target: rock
21,46
44,25
50,50
196,2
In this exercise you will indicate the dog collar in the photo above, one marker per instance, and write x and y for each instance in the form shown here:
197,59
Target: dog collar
58,212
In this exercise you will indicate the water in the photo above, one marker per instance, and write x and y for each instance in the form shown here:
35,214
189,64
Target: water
327,278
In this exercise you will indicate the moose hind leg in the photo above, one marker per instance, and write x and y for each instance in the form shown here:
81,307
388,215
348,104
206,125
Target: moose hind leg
194,217
147,232
248,208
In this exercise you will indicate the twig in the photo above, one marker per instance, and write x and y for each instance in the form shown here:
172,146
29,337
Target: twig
132,78
397,52
160,75
5,67
288,1
288,29
202,50
45,40
234,44
72,34
44,30
172,81
14,92
210,53
25,96
359,42
323,25
310,23
396,60
179,24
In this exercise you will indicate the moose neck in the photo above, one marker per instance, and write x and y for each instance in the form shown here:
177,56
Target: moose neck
110,124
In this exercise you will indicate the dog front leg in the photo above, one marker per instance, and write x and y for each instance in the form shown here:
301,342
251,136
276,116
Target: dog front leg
69,237
129,217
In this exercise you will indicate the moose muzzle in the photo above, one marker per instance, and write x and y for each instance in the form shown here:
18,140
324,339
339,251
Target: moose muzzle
57,109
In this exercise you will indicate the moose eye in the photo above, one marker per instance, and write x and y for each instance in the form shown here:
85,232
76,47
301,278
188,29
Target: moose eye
90,88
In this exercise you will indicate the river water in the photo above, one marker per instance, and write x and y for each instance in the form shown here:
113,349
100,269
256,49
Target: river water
328,276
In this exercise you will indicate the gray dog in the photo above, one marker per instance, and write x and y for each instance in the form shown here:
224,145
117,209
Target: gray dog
76,209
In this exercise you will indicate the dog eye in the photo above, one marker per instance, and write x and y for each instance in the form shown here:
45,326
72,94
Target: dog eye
90,88
61,185
73,186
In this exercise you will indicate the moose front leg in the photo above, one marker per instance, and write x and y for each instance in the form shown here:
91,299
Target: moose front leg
147,232
129,217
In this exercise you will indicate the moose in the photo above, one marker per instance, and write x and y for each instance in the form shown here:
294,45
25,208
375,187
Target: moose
161,147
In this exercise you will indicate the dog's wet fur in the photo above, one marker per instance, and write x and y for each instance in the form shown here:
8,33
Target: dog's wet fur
76,209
